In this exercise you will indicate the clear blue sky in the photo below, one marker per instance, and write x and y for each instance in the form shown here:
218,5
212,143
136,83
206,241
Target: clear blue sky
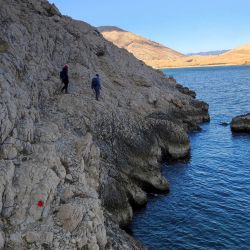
184,25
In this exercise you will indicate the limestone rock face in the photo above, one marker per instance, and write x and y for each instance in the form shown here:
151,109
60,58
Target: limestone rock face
71,168
70,216
241,123
1,240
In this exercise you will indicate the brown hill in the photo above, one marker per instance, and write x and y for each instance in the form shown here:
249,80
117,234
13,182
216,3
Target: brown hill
150,52
159,56
237,56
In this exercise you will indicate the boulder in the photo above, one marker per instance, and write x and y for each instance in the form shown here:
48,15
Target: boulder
241,123
39,237
70,216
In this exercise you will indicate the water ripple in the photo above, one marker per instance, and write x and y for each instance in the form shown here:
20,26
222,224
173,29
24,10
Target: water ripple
208,206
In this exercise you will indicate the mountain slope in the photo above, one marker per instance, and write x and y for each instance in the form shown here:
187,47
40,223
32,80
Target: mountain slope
242,50
237,56
144,49
159,56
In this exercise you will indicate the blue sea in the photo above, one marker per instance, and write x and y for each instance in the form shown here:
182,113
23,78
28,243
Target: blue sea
208,206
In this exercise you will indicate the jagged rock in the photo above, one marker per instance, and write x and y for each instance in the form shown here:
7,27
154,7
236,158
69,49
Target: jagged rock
69,177
116,201
8,150
5,120
241,123
7,192
39,237
118,239
15,239
47,132
67,194
3,46
186,90
65,160
1,241
70,216
51,9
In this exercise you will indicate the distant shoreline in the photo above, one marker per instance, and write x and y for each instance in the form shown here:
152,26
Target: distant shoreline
205,66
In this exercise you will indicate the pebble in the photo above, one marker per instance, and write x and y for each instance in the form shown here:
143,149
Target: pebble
56,244
58,223
73,241
69,177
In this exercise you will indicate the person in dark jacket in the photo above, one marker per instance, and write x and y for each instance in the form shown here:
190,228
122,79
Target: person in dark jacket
65,79
96,85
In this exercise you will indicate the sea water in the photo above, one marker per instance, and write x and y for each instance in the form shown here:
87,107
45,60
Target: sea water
208,206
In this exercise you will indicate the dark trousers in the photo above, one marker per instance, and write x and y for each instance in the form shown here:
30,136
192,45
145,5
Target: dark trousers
97,93
65,87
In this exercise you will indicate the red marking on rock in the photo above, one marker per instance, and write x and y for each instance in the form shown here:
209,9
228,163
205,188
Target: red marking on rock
40,203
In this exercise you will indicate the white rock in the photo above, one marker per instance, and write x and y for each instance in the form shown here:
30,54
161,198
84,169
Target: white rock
47,237
56,244
32,237
69,177
73,241
67,194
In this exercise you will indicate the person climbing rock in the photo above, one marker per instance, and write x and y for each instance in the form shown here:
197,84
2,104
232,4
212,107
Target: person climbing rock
65,79
96,85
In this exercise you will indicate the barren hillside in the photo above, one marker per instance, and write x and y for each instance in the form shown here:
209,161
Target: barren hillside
144,49
237,56
159,56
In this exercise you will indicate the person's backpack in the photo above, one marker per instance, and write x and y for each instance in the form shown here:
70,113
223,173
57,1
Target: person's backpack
62,76
94,83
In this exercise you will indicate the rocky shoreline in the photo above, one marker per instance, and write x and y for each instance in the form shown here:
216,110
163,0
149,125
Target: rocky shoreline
72,168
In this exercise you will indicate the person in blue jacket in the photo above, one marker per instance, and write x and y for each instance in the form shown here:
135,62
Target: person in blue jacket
96,85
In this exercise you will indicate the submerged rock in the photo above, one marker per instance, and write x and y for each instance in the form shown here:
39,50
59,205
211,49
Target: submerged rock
224,124
241,123
72,168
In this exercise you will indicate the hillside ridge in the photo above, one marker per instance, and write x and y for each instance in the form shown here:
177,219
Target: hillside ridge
159,56
142,48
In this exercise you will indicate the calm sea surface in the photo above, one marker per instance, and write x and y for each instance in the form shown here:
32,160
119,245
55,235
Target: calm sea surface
208,206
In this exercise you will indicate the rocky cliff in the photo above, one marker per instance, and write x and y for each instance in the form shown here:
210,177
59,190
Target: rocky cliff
72,168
